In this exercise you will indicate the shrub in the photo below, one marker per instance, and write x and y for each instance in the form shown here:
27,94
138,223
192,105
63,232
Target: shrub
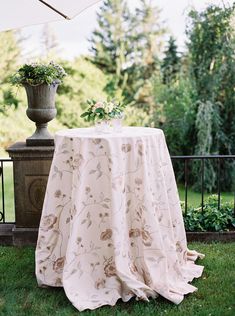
84,82
210,219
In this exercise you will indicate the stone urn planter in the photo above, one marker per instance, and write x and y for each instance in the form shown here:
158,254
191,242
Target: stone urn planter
41,109
40,81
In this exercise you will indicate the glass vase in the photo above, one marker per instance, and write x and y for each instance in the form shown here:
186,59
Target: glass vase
117,123
103,126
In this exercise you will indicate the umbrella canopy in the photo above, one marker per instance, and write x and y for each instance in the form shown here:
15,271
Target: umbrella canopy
19,13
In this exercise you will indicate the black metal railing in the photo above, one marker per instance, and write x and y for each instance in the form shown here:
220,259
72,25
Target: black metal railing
2,191
187,159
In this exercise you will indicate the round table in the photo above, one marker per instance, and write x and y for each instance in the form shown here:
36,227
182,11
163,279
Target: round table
111,224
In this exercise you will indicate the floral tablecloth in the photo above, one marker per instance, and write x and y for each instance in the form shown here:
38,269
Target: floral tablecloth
111,224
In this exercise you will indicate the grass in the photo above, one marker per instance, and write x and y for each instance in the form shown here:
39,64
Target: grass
20,296
194,198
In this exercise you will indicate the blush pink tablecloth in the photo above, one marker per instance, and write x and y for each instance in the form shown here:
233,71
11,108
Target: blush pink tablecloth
111,224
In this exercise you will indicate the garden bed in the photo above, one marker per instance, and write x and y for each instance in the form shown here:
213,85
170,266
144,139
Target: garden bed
228,236
9,236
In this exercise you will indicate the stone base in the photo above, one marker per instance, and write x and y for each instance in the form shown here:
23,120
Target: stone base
31,166
10,235
6,234
24,236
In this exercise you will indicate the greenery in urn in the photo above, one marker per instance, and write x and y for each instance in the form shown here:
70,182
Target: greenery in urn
40,82
38,73
103,111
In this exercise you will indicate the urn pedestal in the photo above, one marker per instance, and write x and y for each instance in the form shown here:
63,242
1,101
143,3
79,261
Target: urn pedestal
41,110
31,166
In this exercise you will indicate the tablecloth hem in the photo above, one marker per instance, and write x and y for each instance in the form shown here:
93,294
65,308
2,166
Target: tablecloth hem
179,294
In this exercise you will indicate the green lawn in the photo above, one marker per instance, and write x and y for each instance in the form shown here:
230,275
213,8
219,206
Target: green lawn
20,296
194,198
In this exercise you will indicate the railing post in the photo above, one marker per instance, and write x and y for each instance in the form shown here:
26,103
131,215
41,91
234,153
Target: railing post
218,180
234,205
202,181
3,195
186,185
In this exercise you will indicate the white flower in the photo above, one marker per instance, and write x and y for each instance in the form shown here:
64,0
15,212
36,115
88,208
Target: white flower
110,107
99,105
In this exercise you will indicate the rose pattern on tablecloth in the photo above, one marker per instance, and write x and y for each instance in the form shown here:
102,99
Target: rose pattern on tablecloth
111,223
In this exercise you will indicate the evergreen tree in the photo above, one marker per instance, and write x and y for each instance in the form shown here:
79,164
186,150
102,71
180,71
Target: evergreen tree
146,36
110,44
126,47
171,62
147,32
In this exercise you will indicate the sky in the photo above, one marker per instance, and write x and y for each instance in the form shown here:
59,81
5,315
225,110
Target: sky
72,36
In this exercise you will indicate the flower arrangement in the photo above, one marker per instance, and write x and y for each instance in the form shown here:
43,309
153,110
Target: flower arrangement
103,111
38,73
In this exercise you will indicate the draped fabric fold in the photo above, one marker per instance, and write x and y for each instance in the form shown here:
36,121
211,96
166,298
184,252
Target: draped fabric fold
112,224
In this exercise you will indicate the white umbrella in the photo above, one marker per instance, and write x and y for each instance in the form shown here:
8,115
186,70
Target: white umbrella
19,13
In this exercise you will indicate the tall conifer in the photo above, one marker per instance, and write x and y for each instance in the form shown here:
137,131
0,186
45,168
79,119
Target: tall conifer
171,62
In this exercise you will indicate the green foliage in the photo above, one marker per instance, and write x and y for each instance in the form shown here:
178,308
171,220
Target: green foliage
211,218
207,116
196,108
85,81
192,220
125,47
211,46
10,54
171,62
7,98
136,117
209,133
212,65
15,126
110,45
147,31
38,73
175,114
